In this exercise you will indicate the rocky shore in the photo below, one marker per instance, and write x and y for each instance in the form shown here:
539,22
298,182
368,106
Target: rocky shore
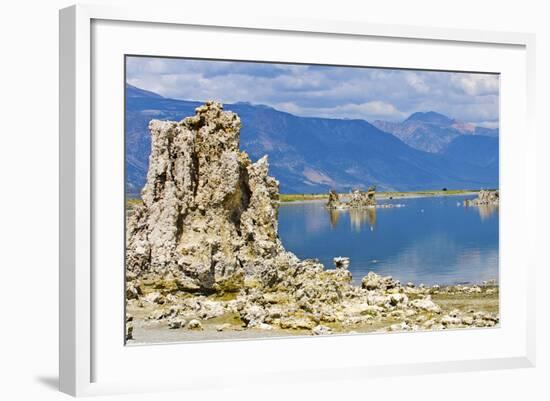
160,312
204,259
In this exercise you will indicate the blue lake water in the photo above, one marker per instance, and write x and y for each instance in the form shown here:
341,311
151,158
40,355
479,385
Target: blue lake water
433,240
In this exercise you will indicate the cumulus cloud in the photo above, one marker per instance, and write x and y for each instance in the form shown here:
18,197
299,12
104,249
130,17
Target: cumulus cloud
376,109
416,82
323,91
476,85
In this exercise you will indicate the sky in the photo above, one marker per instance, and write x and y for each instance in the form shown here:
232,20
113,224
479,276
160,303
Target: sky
323,91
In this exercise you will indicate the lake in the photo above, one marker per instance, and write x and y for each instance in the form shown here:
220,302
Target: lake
431,240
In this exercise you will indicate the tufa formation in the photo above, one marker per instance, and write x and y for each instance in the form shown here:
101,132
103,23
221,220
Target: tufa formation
209,214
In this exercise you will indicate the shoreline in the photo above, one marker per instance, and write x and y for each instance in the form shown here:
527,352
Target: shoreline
289,198
383,196
132,200
456,302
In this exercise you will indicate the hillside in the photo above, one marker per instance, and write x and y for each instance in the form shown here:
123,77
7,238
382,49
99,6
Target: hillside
432,132
310,155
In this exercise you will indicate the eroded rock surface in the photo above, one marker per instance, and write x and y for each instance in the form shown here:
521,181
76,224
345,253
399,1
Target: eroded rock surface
209,214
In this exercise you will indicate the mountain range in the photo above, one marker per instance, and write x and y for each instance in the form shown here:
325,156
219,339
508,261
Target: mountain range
431,131
312,155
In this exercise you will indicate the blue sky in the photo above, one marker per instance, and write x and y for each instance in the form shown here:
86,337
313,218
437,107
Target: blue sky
323,91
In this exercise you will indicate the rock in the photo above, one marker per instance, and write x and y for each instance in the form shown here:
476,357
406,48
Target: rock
210,309
133,290
373,281
341,262
449,320
253,315
177,323
484,198
474,290
425,304
185,283
361,199
194,325
208,213
129,332
321,330
154,297
296,323
396,299
357,200
410,312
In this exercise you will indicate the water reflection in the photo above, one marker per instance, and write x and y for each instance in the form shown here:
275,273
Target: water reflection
430,240
357,217
334,217
486,211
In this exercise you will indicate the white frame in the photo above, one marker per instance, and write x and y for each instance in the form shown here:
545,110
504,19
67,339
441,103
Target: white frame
76,341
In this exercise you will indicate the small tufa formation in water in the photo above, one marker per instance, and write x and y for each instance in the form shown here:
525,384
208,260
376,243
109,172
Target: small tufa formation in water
333,200
484,198
359,199
341,262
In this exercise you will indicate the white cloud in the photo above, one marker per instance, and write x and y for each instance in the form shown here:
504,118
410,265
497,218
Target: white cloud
416,83
372,110
476,84
323,91
487,124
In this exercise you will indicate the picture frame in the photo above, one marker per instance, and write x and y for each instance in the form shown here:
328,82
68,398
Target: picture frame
89,362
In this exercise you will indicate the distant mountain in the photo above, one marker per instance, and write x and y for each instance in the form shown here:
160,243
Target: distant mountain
431,117
132,91
479,150
309,154
431,131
